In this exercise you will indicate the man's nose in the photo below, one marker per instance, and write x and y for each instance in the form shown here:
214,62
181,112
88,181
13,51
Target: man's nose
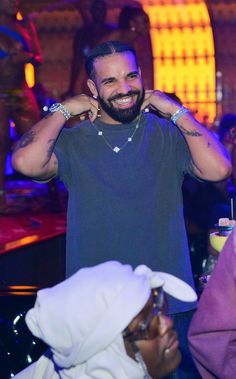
165,324
124,87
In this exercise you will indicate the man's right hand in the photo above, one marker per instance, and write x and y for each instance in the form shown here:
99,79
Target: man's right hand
82,104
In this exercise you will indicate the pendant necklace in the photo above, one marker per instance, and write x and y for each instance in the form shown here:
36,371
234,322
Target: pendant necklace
116,148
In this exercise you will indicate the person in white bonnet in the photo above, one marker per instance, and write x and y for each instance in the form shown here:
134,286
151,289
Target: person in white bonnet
106,322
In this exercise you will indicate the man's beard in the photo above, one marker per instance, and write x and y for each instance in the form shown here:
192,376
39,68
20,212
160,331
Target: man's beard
123,115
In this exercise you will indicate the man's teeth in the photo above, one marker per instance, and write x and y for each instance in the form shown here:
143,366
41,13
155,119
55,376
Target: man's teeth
124,100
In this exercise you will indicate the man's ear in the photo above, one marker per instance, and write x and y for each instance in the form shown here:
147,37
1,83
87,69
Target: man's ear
92,86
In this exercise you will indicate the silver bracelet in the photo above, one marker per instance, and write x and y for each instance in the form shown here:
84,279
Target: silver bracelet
61,108
65,112
179,113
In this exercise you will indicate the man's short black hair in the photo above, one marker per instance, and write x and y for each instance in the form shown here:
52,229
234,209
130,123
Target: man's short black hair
104,49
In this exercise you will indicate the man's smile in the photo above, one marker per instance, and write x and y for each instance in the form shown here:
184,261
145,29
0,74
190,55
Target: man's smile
124,102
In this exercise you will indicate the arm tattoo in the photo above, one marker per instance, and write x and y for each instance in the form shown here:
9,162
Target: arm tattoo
25,140
51,143
51,147
189,132
49,151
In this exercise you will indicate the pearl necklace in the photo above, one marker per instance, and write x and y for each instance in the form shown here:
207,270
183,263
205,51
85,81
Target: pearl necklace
116,148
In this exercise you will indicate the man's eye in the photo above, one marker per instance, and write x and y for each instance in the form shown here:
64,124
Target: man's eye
133,76
108,81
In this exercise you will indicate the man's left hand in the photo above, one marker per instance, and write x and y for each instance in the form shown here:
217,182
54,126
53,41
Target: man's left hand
160,102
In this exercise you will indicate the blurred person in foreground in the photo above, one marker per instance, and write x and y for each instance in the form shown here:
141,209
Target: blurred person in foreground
212,332
124,170
18,45
107,322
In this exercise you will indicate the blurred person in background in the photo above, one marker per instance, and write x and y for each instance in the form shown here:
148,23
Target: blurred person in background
87,37
221,196
134,29
18,45
227,135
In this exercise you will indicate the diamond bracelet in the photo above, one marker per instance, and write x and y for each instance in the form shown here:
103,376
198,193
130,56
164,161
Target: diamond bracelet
179,113
65,112
61,108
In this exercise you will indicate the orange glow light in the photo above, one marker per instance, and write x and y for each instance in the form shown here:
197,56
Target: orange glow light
184,55
29,74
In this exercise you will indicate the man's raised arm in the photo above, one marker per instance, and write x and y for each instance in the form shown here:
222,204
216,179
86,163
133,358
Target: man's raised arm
210,159
33,155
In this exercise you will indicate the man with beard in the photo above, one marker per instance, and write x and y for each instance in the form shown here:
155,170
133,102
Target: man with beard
124,169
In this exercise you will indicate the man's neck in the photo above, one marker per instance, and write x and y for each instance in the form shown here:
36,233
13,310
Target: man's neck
107,119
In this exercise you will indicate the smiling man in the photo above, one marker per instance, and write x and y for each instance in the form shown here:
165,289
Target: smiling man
124,169
119,91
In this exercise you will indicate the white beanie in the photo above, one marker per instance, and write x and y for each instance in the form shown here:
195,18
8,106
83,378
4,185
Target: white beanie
82,320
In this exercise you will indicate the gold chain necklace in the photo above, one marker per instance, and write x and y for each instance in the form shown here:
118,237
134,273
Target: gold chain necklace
116,148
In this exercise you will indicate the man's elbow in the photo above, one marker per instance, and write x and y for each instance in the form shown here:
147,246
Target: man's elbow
224,170
16,162
20,164
220,172
33,168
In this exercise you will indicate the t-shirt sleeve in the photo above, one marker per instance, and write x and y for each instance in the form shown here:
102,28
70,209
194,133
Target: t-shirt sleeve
60,150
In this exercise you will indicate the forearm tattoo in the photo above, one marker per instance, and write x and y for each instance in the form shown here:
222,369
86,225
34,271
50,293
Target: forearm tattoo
51,143
30,137
192,133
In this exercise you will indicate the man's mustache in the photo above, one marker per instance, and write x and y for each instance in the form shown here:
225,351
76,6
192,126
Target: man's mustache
121,95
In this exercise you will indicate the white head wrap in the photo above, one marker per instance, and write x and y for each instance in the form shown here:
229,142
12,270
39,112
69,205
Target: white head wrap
82,319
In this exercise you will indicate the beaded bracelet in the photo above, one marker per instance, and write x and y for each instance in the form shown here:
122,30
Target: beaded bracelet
179,113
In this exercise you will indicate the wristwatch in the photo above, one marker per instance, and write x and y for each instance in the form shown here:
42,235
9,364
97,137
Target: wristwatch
61,108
